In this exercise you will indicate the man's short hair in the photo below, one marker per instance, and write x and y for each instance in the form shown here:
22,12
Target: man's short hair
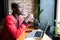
14,5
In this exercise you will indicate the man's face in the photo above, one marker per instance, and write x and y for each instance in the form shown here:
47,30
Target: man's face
18,9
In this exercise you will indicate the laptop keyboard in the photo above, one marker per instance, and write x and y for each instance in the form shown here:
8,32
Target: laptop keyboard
38,34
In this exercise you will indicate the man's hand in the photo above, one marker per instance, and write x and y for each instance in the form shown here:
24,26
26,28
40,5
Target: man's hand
29,18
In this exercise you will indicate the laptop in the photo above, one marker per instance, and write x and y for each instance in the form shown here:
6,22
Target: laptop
41,33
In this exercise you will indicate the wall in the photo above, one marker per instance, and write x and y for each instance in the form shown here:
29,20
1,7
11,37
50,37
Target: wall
58,13
48,13
27,5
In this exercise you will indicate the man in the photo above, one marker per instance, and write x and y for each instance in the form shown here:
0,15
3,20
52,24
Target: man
14,25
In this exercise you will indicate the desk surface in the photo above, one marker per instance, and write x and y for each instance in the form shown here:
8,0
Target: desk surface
26,33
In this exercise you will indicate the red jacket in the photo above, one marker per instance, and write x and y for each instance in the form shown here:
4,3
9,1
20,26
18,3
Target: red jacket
10,31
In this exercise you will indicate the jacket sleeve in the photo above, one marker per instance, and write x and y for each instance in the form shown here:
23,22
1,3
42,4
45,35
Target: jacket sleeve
12,28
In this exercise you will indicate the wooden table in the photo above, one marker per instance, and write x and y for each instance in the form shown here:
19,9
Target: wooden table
27,31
